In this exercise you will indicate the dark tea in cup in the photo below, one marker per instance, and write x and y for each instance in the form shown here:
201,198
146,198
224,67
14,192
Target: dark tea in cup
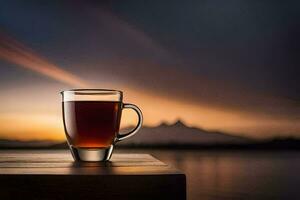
92,124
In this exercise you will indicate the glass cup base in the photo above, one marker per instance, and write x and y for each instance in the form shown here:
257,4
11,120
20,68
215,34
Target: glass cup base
91,154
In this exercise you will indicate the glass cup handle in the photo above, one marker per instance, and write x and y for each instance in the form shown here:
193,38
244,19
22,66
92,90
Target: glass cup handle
121,137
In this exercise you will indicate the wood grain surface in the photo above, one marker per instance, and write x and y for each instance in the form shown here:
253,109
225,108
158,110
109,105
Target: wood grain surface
54,175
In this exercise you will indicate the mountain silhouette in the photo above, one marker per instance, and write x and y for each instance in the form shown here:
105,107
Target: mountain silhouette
163,135
178,133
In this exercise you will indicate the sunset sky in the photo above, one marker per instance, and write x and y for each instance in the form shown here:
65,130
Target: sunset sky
231,66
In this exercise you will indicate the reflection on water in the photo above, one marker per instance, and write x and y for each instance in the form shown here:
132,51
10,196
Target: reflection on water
218,175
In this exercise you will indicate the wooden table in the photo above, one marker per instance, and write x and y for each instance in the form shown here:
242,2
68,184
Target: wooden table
54,175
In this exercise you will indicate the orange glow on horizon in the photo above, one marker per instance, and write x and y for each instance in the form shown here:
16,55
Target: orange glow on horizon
41,126
30,127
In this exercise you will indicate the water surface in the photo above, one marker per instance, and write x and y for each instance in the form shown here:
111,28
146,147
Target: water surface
215,175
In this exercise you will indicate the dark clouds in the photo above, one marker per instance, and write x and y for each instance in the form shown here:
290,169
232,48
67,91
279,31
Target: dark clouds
255,43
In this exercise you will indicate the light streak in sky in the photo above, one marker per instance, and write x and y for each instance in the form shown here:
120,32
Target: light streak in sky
15,52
